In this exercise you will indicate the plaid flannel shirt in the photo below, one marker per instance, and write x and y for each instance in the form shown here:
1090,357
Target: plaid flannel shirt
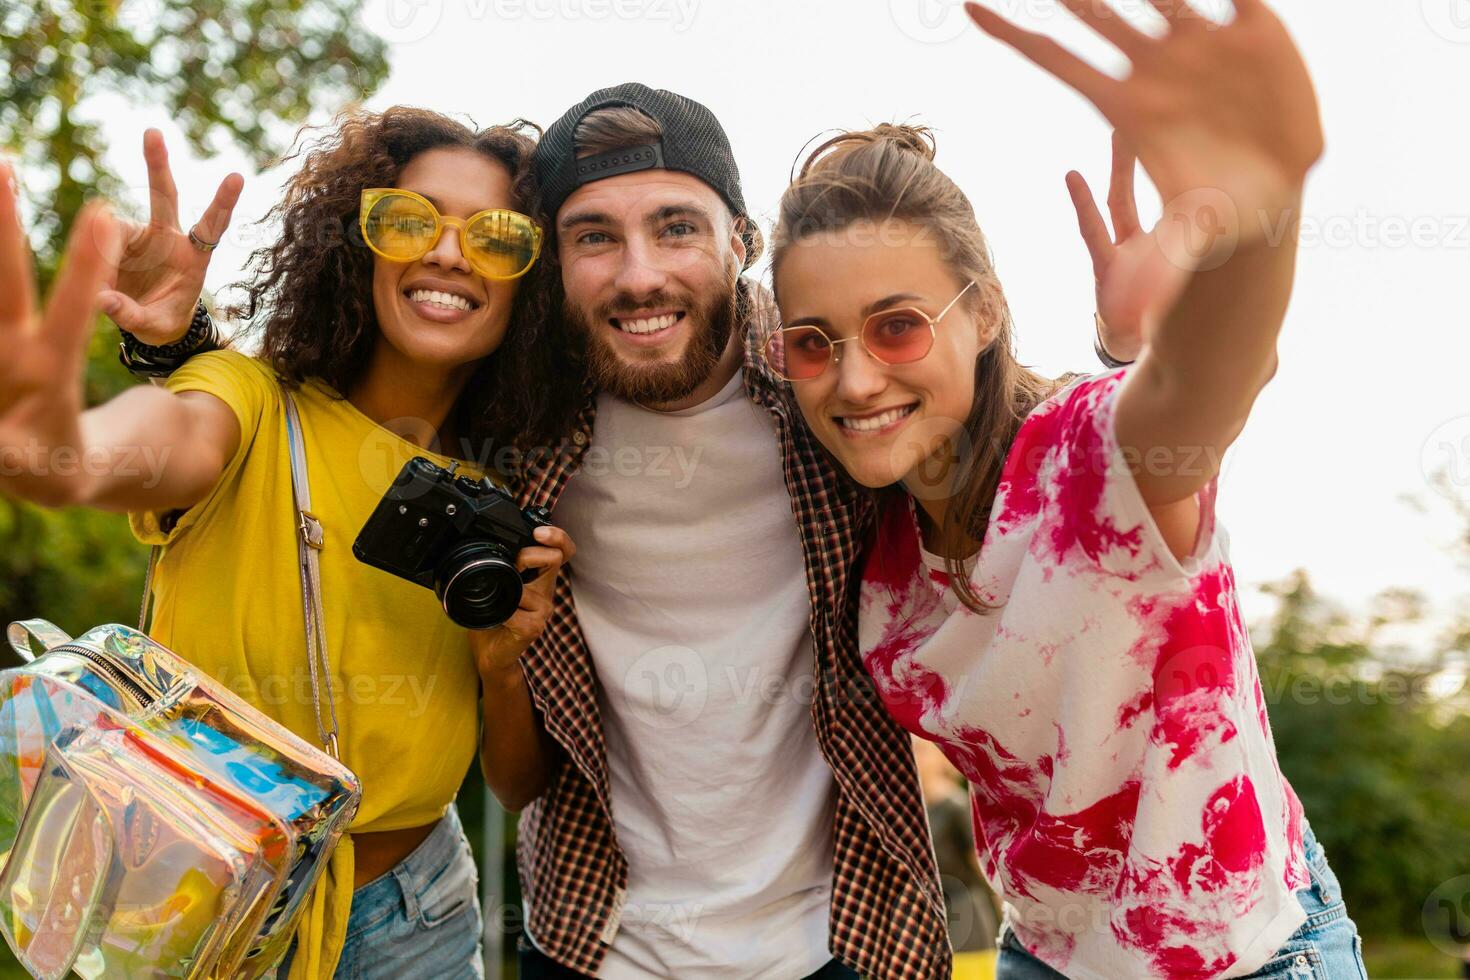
887,908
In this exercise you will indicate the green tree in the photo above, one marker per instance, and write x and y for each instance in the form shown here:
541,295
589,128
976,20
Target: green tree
245,71
1375,745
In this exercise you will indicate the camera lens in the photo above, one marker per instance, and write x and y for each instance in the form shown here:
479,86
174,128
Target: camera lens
478,585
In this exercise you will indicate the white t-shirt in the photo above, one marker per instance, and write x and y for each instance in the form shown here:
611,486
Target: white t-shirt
691,591
1127,800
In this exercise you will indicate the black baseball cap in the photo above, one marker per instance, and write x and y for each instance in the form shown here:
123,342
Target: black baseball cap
693,141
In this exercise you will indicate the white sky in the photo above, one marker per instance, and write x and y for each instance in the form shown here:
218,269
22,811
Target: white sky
1375,348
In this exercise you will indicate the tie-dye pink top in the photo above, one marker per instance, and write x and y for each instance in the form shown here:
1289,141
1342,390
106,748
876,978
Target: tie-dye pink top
1109,717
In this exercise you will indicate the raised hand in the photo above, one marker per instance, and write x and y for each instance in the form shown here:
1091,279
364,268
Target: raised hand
1223,118
1227,107
1121,330
161,273
45,352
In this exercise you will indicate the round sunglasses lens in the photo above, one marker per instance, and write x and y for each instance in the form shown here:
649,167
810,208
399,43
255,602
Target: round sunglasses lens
501,246
399,226
799,353
898,336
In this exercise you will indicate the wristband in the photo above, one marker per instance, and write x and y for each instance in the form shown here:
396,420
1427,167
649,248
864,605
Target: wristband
1109,361
148,361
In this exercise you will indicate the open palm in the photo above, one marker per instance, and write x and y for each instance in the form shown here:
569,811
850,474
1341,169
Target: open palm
1223,118
45,352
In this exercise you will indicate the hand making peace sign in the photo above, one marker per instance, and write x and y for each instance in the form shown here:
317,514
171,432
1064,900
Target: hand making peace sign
161,273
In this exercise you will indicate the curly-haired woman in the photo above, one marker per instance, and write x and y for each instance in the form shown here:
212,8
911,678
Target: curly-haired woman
393,330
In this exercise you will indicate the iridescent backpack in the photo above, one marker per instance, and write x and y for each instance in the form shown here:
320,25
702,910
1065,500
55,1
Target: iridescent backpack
152,823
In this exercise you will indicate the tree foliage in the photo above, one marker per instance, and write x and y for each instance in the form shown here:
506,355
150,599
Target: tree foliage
1376,744
243,71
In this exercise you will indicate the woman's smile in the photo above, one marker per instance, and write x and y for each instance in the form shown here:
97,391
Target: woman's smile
876,422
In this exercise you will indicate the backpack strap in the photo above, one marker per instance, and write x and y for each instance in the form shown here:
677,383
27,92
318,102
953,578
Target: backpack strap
24,636
309,541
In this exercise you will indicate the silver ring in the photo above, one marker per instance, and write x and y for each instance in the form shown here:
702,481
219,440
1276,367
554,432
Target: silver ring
200,243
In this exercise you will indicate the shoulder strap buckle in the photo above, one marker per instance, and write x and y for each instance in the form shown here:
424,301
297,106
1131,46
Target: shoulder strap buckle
311,530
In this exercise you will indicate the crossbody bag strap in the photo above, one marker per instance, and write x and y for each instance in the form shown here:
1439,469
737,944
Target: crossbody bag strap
309,541
147,589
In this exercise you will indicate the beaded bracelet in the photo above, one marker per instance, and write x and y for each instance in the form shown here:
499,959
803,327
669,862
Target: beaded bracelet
149,361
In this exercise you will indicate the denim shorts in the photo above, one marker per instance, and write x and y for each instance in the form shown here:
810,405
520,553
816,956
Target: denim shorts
419,919
1326,947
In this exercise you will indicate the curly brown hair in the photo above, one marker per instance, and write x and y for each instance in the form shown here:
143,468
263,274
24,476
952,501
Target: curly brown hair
312,287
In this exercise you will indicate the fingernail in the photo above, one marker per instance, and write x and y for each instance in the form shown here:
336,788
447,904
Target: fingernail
108,305
542,534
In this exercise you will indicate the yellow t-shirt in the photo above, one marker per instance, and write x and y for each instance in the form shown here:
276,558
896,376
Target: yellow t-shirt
227,597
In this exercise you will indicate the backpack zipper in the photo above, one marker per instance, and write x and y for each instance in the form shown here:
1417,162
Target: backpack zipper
114,673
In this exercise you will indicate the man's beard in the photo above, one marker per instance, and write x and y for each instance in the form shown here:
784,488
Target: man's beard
710,326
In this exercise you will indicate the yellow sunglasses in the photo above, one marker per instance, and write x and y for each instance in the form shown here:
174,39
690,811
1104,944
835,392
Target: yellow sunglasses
403,226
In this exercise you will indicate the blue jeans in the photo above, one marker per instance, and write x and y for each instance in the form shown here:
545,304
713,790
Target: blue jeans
1326,947
420,919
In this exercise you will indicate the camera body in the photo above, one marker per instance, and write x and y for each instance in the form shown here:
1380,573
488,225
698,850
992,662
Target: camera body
456,536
